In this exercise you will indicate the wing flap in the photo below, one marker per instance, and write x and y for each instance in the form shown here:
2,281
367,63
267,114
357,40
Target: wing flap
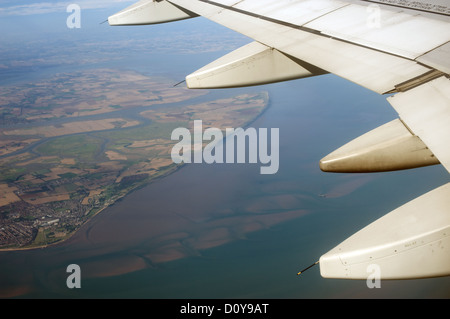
426,111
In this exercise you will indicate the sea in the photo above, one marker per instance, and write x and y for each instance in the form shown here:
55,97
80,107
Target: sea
225,231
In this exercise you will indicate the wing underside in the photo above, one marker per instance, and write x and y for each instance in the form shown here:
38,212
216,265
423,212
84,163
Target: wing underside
397,48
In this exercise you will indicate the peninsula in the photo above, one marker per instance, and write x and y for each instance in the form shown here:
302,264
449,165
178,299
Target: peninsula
73,144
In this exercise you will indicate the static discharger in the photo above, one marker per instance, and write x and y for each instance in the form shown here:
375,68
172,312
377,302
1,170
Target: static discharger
307,268
179,83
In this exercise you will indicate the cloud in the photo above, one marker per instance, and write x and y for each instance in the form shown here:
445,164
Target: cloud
51,7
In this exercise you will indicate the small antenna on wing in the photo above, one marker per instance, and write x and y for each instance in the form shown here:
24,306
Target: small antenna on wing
307,268
179,83
104,21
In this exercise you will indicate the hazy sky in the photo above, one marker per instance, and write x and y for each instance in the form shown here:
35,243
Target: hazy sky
32,19
30,7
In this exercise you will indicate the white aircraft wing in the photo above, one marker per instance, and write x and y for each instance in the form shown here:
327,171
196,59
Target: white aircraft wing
400,48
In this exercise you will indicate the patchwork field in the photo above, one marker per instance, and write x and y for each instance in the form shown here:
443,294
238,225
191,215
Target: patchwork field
61,163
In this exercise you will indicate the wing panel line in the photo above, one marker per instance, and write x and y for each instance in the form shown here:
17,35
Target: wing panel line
299,27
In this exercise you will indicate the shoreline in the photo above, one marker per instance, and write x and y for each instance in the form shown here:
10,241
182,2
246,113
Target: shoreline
70,235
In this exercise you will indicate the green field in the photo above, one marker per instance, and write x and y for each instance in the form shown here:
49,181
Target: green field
83,147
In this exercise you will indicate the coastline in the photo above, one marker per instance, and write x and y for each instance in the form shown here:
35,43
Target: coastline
89,219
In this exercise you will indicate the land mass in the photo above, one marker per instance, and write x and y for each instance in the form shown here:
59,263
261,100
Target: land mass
74,144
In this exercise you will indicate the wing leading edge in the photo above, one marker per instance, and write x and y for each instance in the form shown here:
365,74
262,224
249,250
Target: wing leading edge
401,48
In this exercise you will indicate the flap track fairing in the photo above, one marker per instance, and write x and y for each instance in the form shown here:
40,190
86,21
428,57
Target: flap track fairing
389,147
149,12
252,64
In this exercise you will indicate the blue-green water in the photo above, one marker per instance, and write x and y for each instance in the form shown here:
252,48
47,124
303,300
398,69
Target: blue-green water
216,205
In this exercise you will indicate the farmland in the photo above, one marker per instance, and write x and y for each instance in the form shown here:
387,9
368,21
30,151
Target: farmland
73,144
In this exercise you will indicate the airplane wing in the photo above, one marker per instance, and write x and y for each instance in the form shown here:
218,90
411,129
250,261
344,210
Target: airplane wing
400,48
